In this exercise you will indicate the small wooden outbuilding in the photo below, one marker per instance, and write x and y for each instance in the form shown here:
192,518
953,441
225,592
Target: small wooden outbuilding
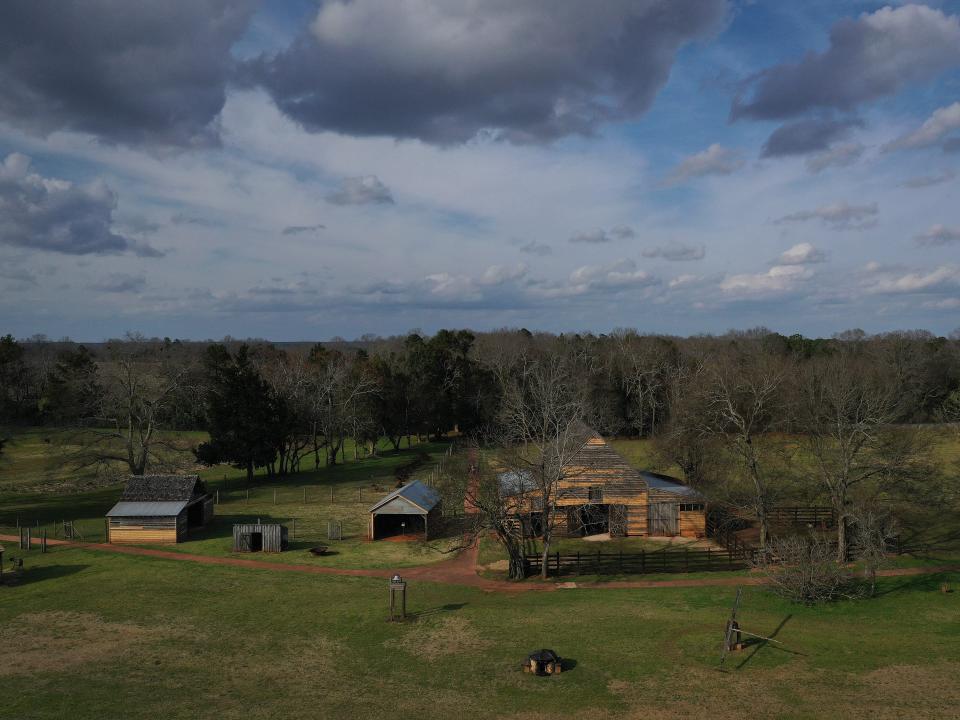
413,509
159,509
259,537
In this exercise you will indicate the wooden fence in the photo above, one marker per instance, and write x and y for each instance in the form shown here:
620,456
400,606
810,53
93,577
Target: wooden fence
643,562
819,516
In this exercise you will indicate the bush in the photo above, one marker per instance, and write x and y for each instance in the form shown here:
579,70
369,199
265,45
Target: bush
804,569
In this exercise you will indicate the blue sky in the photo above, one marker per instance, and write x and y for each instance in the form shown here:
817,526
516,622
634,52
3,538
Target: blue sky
307,170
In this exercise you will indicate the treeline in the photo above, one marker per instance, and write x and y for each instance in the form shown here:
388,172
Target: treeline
276,407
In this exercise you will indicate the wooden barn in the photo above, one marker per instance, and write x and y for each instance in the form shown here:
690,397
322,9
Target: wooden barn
413,509
259,537
159,509
602,493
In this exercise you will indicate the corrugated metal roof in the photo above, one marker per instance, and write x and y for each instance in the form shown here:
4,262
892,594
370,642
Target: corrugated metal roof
416,492
665,483
147,509
162,488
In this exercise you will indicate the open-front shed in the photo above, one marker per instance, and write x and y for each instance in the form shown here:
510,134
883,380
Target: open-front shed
413,509
159,509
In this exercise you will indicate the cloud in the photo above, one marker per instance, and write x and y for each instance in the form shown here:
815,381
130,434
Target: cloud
952,146
444,71
366,190
301,229
120,283
839,156
868,57
676,252
683,280
928,180
939,235
499,274
134,73
801,254
943,121
807,136
57,216
839,216
535,248
623,232
620,274
945,277
182,218
592,237
778,279
715,160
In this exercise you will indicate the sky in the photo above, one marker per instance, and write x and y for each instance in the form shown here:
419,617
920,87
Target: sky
306,170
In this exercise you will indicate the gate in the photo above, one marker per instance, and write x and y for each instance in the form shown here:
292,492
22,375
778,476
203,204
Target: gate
663,519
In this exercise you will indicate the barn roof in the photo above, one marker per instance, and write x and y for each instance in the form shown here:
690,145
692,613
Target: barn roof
667,484
423,496
598,464
147,509
163,488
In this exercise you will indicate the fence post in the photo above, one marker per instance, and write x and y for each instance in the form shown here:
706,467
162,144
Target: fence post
106,530
686,559
274,496
43,541
578,562
558,563
621,562
248,495
359,494
304,494
294,529
709,556
643,561
218,497
331,493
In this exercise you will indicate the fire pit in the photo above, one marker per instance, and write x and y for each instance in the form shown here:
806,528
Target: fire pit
319,550
543,662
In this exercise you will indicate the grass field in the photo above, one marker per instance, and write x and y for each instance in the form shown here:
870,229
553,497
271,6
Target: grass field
93,635
36,491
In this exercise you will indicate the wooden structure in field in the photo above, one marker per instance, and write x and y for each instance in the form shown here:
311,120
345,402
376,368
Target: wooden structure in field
259,537
601,492
159,509
413,509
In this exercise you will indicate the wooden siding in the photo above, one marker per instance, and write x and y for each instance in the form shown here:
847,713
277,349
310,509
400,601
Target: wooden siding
274,537
138,531
693,523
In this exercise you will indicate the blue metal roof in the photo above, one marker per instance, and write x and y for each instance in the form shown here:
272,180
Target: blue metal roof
416,492
665,483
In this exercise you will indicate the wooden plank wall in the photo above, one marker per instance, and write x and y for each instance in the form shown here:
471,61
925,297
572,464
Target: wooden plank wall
693,523
136,531
273,536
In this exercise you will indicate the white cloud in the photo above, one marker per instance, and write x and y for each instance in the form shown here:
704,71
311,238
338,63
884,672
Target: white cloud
934,129
676,252
838,216
683,280
715,160
941,278
939,235
838,156
499,274
801,254
367,190
778,279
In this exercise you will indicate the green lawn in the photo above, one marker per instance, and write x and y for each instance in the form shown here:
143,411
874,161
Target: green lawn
94,635
38,493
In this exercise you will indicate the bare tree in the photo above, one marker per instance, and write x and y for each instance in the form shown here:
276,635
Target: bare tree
541,429
804,569
845,414
741,410
140,382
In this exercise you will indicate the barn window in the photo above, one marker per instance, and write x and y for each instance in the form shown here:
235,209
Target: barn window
595,494
691,507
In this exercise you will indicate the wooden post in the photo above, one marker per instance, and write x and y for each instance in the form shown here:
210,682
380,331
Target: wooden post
686,559
218,497
558,563
621,562
578,562
294,529
304,494
643,560
106,530
359,494
709,557
331,493
274,496
43,541
248,495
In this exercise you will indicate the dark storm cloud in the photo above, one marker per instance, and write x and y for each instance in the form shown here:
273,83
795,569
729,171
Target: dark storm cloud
126,72
870,56
444,71
807,136
49,214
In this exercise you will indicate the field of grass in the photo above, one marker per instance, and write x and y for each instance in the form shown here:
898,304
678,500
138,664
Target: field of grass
36,491
95,635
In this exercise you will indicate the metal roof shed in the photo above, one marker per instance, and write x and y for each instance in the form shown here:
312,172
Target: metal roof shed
408,510
159,509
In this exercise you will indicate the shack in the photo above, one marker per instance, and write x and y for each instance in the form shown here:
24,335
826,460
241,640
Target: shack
159,509
413,509
259,537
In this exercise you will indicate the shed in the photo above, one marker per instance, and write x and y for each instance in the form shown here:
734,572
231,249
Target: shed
159,509
413,509
259,537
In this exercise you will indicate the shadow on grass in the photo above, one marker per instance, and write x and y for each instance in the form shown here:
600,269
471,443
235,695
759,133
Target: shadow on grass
30,575
912,583
436,611
759,643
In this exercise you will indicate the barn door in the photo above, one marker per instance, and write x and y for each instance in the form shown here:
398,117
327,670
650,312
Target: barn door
618,520
663,519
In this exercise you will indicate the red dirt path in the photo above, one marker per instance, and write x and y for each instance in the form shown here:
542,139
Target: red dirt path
460,570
